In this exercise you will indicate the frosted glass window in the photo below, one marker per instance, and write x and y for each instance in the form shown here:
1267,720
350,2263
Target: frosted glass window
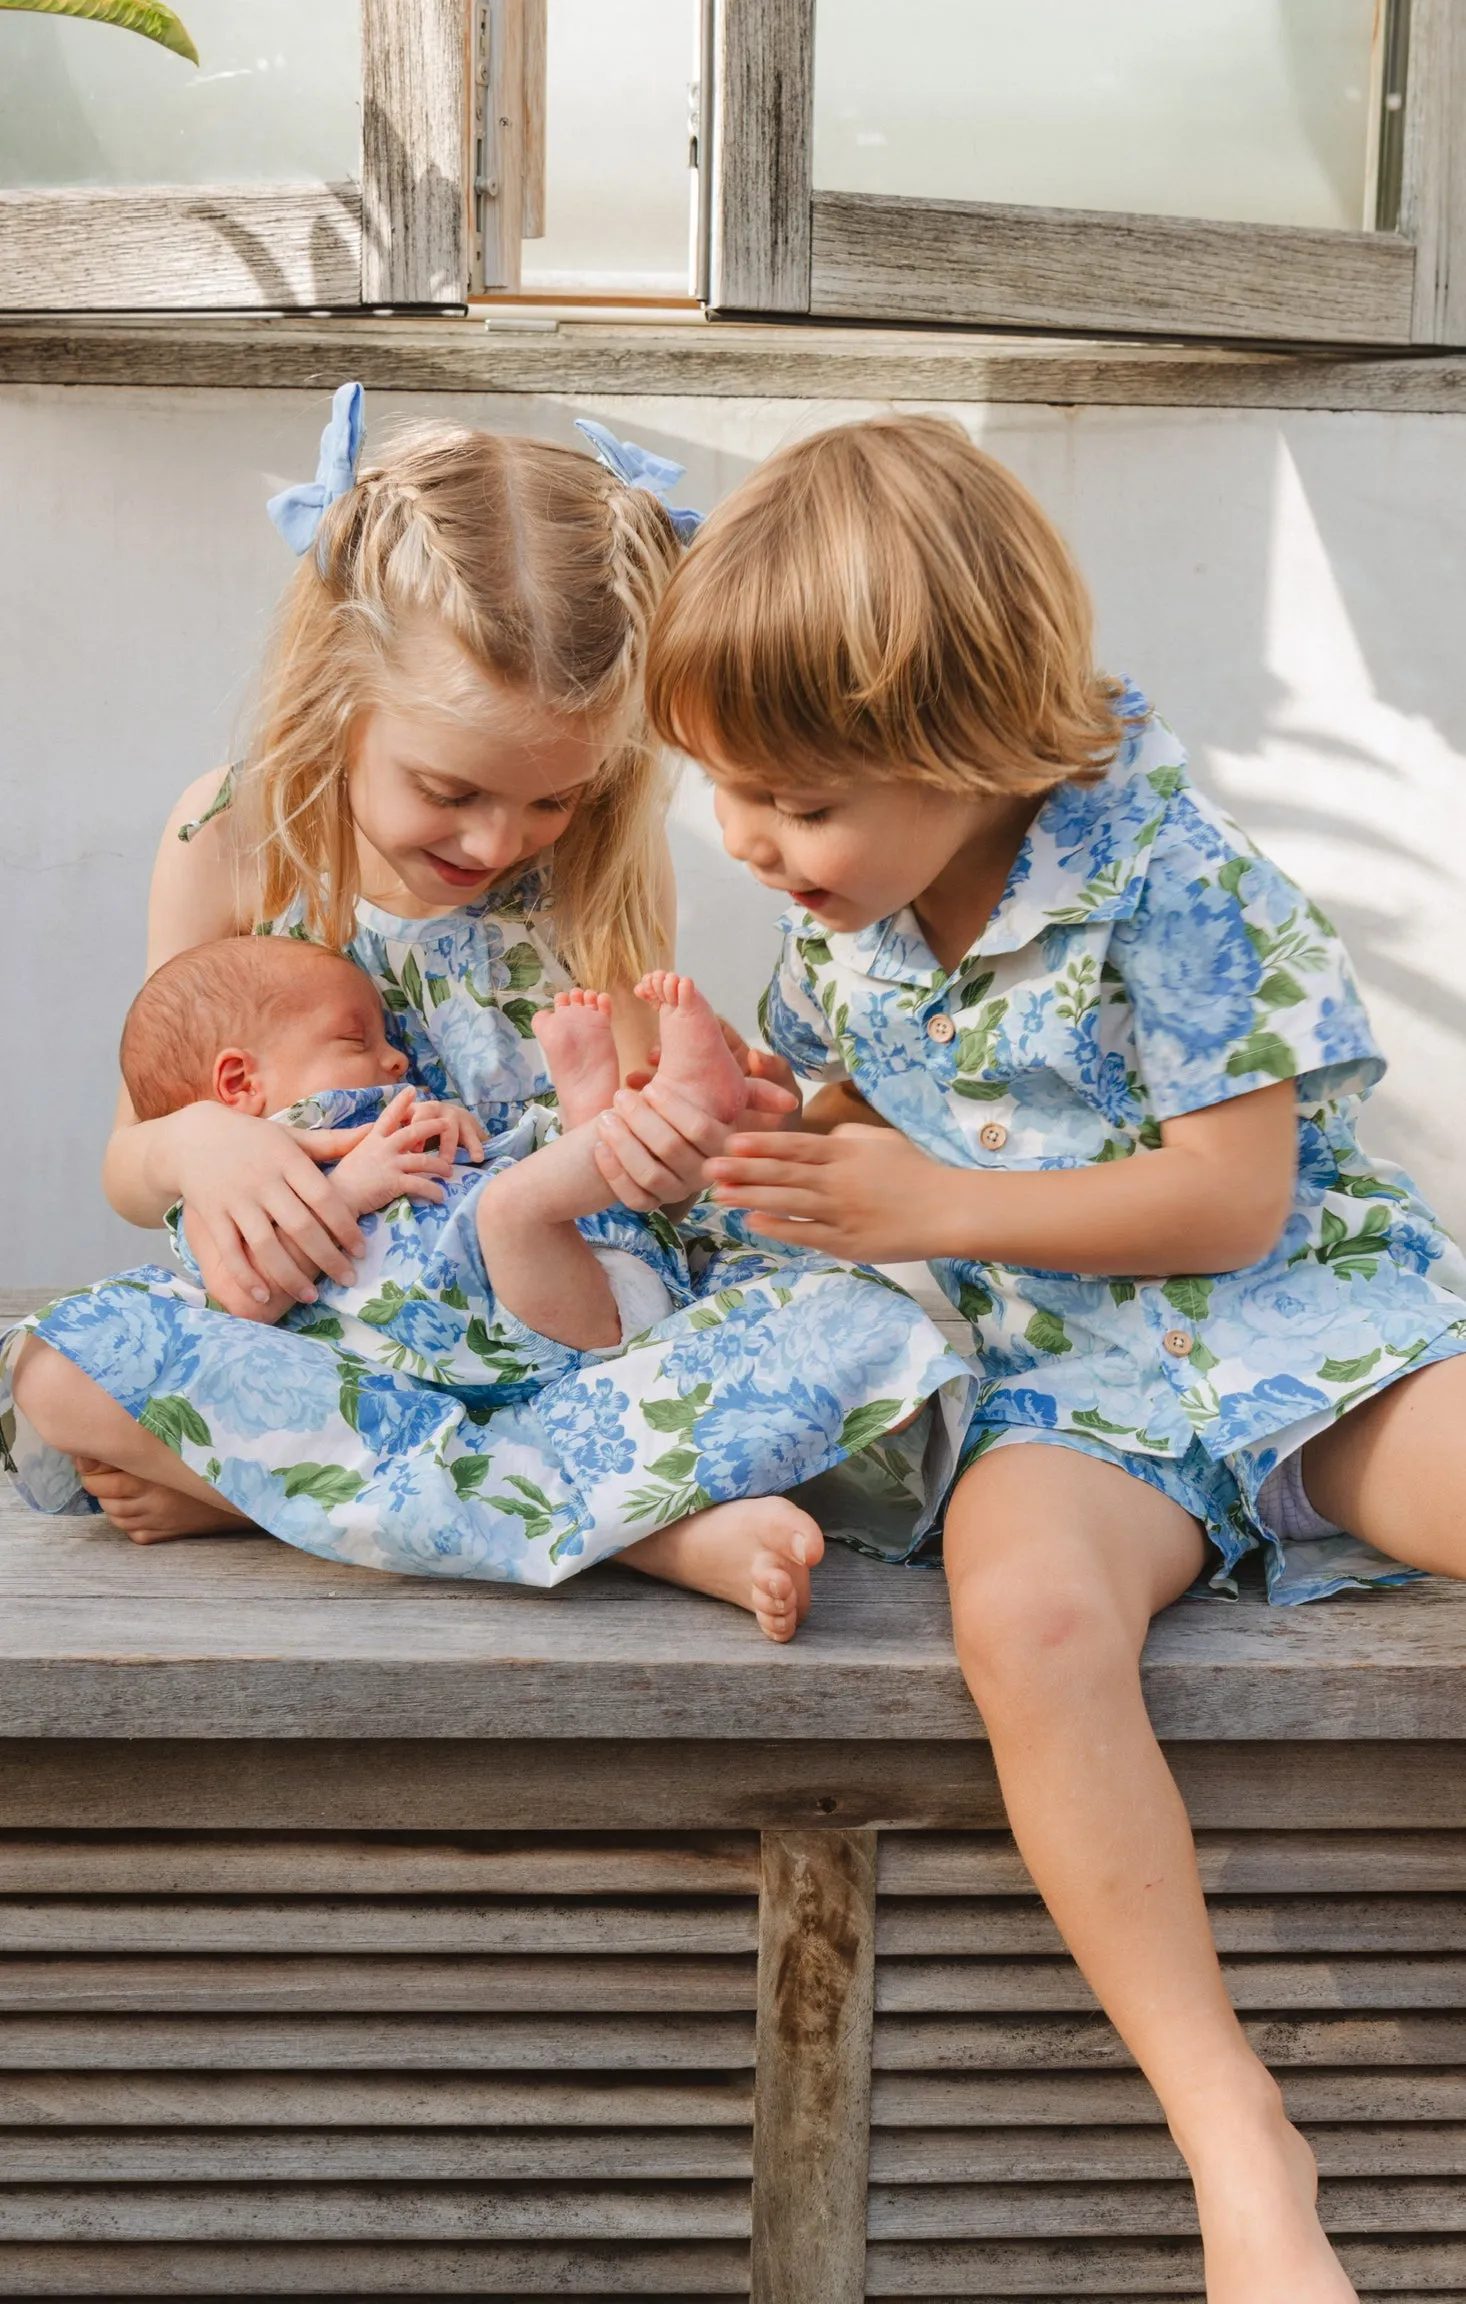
1258,110
617,184
276,98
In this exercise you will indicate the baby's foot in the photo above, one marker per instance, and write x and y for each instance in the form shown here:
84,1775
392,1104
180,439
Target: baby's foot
695,1056
757,1553
580,1050
153,1515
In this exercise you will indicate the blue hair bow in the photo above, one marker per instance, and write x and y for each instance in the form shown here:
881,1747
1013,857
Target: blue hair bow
297,512
639,468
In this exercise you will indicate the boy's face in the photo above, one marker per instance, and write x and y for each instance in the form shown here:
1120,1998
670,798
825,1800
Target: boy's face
335,1036
851,852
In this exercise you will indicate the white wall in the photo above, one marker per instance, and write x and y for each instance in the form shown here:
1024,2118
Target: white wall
1288,588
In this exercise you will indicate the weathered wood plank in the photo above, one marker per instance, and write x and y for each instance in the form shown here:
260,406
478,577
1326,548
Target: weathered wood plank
1128,2267
111,2268
330,2043
812,2077
399,1926
1121,2155
224,1864
502,89
908,1986
48,2102
946,1925
1433,184
949,2043
321,1784
185,248
274,2212
389,2156
415,159
536,86
876,258
1231,1863
763,142
1109,2099
470,1983
1403,2205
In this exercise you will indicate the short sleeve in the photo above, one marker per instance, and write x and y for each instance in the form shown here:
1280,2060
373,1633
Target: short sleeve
794,1024
1234,978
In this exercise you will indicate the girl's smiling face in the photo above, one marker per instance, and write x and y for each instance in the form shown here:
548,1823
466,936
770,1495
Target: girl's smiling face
449,800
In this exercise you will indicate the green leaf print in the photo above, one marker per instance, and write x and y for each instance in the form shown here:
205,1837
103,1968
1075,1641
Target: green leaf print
863,1425
666,1503
677,1464
213,1468
1355,1254
1232,875
677,1415
1122,1291
537,1524
814,951
975,1040
385,1306
1280,990
973,1301
440,989
1150,1133
453,1296
7,1441
521,1014
1164,782
324,1326
1202,1358
172,1419
325,1484
1190,1296
1090,1420
412,982
1262,1052
982,1091
524,965
1349,1371
468,1474
393,996
351,1375
536,1496
1046,1333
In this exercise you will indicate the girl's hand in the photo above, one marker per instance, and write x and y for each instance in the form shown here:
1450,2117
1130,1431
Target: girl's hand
653,1146
268,1219
864,1194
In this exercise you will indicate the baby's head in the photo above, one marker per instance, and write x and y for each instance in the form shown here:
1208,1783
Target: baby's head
457,678
256,1022
877,645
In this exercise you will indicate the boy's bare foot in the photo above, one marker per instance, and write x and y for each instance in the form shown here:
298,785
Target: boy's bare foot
757,1553
150,1514
1262,2237
695,1056
580,1050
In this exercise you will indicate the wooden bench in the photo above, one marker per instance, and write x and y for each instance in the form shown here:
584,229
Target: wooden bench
367,1935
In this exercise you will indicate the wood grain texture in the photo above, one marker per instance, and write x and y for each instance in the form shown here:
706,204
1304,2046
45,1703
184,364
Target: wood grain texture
1315,1863
53,2102
415,157
460,2043
1404,2205
969,2100
1091,2155
956,2043
907,1987
1433,184
536,79
305,1924
763,144
278,1986
398,2156
1046,2269
501,87
184,249
685,2270
273,2212
937,1926
718,360
876,258
812,2074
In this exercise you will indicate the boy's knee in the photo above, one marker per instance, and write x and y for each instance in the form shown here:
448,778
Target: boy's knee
1025,1635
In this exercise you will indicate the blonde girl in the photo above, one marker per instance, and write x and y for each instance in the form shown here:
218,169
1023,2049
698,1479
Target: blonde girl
453,782
1083,1048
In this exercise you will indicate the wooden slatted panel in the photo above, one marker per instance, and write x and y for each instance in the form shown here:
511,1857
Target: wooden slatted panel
1016,2152
357,2064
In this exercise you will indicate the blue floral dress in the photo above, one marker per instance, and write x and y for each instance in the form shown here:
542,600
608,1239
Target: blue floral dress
397,1434
1145,961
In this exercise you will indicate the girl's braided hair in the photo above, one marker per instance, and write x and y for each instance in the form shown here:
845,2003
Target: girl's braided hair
544,569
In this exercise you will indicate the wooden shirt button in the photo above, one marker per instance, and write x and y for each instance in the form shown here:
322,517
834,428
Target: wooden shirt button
993,1137
1178,1343
941,1029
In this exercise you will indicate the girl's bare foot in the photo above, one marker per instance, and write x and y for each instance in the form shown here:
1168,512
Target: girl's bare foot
150,1514
1262,2237
580,1049
757,1553
695,1056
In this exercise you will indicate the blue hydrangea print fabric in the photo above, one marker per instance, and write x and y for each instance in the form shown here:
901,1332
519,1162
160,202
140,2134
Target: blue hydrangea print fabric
400,1425
1146,961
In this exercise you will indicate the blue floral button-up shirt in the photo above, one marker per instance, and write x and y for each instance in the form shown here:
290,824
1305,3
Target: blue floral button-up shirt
1144,961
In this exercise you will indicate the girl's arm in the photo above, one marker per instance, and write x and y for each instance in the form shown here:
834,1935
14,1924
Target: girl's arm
1214,1198
269,1215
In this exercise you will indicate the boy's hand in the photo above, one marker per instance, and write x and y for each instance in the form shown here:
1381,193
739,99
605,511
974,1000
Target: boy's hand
402,1153
864,1194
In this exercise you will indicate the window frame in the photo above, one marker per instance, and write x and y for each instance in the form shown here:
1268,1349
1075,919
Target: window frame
776,245
398,236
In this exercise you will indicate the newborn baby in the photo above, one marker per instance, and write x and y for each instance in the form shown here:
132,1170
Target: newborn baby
473,1275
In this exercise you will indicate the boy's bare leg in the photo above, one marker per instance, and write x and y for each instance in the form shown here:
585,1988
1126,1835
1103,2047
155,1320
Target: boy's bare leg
143,1488
1393,1471
1056,1563
757,1553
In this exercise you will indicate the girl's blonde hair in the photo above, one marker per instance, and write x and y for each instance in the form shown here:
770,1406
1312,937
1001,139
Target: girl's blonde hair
883,597
544,569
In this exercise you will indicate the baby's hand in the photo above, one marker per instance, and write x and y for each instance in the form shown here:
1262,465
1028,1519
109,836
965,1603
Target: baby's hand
394,1161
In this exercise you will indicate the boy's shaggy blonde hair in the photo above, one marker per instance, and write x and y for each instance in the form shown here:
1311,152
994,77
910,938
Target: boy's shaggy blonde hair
883,597
544,569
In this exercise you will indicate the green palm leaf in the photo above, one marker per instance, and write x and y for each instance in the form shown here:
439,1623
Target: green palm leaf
153,21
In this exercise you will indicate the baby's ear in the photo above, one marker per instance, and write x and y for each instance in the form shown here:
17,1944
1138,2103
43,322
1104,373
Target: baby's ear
237,1082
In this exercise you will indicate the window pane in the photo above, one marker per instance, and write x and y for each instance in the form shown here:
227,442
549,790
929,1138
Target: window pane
617,187
1258,110
276,98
